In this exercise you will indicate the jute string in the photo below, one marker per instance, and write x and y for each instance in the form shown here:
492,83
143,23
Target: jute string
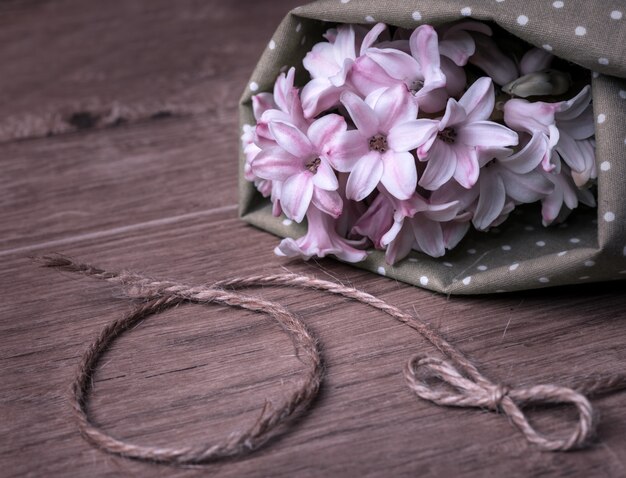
464,385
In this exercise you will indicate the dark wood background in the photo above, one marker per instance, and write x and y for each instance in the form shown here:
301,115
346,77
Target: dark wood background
118,146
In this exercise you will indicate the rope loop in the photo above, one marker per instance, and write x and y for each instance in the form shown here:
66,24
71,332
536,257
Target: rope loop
464,385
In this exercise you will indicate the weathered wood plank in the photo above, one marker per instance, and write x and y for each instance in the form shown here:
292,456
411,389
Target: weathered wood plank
194,373
70,65
55,188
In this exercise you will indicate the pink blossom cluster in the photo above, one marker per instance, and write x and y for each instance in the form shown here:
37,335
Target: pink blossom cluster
402,142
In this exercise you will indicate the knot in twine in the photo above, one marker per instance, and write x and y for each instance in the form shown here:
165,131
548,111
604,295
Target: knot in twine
465,385
479,392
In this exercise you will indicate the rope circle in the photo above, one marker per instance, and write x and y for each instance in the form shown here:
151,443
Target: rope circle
237,443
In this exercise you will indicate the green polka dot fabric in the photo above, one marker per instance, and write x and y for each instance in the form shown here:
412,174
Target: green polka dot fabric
521,253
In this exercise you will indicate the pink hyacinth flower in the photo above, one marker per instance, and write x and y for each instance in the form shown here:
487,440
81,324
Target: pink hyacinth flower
450,144
565,127
420,70
329,64
321,240
557,205
378,150
300,162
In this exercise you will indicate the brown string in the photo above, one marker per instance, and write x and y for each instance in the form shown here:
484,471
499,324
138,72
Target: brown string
467,387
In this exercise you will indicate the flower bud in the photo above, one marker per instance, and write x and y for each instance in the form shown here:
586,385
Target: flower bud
541,83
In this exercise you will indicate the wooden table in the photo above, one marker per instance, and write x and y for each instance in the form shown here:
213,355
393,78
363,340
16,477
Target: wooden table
119,147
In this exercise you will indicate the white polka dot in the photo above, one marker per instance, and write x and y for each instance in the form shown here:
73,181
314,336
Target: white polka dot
466,11
605,166
603,61
254,86
622,94
299,27
303,41
345,1
369,19
529,228
562,253
540,243
482,268
467,280
381,270
624,140
272,45
499,1
471,251
601,118
447,264
544,280
287,222
522,20
499,291
512,267
609,216
547,47
417,16
580,31
589,263
506,247
424,280
622,272
412,259
616,15
583,278
574,240
558,4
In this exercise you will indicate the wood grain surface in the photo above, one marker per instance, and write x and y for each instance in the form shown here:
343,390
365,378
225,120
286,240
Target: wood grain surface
118,147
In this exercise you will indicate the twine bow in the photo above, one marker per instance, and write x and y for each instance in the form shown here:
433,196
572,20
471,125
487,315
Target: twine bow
468,387
482,393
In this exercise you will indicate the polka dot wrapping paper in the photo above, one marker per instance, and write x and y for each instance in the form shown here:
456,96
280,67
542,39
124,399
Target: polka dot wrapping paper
520,253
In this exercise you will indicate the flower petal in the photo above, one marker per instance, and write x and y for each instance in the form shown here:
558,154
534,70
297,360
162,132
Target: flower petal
424,46
490,201
296,194
261,103
440,167
319,95
486,134
401,246
363,116
372,36
323,131
399,174
394,106
535,59
479,100
526,188
568,149
367,76
329,202
467,168
455,114
458,46
291,139
276,164
410,135
492,61
396,63
529,157
364,176
325,177
428,235
349,147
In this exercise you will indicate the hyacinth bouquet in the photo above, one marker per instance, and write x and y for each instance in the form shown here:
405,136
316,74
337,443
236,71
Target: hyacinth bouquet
403,140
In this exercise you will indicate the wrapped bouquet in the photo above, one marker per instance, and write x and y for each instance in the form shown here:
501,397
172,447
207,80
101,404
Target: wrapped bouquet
397,146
